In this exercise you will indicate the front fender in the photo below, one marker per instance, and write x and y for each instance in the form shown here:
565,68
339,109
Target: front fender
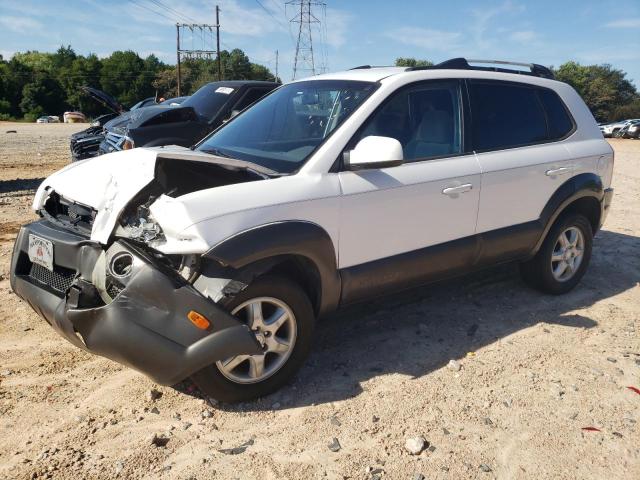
285,238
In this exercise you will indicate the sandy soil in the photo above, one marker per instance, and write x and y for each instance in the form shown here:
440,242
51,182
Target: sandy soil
535,371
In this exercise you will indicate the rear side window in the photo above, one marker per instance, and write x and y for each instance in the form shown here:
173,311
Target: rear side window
559,121
505,116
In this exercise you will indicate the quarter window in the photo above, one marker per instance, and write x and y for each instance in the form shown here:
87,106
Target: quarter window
425,119
560,124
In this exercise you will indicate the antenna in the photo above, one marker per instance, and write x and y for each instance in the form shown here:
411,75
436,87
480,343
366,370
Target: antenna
304,61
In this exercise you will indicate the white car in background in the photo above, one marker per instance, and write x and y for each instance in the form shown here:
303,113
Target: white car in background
215,262
48,119
610,129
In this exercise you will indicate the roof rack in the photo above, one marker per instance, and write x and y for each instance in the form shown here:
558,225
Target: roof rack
463,64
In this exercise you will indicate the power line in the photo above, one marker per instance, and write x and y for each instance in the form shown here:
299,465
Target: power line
270,13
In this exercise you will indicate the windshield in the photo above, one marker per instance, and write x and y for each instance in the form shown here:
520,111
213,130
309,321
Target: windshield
281,131
208,100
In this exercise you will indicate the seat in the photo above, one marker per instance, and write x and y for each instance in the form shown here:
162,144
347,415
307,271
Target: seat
433,137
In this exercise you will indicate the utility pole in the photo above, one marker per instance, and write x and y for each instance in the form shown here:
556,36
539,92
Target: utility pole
276,65
304,61
200,32
178,54
218,42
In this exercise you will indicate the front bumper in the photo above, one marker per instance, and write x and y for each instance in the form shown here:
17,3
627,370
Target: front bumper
145,326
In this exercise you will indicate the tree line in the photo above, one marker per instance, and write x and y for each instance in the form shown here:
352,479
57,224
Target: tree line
606,90
35,83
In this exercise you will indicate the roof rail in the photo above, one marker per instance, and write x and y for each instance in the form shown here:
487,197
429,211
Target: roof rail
463,64
361,67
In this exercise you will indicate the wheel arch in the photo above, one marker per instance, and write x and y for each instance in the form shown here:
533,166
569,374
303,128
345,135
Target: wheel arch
583,194
301,250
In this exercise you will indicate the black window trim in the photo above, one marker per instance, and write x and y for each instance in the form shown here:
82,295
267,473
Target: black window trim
465,116
536,88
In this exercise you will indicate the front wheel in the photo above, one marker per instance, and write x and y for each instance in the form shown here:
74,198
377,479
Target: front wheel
563,257
281,317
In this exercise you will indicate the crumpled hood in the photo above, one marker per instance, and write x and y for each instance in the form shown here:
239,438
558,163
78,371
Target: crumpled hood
109,182
105,183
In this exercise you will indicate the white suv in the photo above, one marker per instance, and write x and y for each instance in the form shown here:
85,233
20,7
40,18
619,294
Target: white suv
214,262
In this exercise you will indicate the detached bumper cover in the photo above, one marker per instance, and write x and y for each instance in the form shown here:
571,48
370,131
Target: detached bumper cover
145,327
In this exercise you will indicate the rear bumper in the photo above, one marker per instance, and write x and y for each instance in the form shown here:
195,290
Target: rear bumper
145,326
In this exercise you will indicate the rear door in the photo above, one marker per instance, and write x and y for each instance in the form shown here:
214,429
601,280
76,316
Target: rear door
517,132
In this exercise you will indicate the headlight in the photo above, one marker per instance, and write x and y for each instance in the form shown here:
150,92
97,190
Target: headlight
128,144
633,129
95,124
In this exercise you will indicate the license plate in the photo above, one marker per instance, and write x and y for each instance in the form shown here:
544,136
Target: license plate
41,251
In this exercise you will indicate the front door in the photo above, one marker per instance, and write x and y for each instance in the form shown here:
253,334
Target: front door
391,216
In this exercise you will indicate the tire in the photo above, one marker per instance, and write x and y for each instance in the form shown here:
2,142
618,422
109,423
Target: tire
546,275
238,385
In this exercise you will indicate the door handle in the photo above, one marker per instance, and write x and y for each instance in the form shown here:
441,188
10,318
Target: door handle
459,189
557,171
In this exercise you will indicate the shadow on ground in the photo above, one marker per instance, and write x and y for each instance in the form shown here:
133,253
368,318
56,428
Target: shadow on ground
419,331
20,184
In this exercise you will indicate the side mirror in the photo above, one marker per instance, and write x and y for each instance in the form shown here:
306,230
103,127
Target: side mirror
374,152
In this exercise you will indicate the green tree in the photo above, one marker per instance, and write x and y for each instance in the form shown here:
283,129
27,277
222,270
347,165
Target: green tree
43,95
603,88
412,62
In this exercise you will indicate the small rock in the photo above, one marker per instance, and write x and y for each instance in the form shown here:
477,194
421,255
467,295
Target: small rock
237,450
445,431
487,421
119,467
334,446
207,414
334,421
612,360
415,445
375,419
454,365
158,440
485,468
418,476
155,410
79,418
153,394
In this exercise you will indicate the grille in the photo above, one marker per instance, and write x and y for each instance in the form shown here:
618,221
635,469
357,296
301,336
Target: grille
59,280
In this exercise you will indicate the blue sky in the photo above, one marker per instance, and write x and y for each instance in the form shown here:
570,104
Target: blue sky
357,31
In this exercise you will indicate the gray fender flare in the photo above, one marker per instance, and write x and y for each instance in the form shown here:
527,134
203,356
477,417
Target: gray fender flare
281,240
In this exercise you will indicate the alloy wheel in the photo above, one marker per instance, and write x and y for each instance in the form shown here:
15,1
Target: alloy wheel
567,254
274,325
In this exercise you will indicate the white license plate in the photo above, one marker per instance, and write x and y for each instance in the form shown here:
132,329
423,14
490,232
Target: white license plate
41,251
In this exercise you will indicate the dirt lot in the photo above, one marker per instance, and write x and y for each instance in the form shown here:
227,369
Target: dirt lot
535,371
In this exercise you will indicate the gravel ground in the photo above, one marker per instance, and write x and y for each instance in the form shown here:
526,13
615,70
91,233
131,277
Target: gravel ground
531,374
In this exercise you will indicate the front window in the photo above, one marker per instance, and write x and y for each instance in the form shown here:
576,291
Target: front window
281,131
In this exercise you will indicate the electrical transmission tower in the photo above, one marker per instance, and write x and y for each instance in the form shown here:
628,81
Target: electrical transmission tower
203,35
304,17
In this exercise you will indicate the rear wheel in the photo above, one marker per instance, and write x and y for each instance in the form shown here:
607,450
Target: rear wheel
282,319
563,257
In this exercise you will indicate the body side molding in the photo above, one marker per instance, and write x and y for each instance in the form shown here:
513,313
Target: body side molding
282,239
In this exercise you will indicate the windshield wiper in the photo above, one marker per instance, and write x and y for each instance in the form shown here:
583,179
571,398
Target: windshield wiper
216,152
229,161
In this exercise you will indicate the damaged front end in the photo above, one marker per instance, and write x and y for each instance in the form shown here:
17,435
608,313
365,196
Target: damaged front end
124,299
126,305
